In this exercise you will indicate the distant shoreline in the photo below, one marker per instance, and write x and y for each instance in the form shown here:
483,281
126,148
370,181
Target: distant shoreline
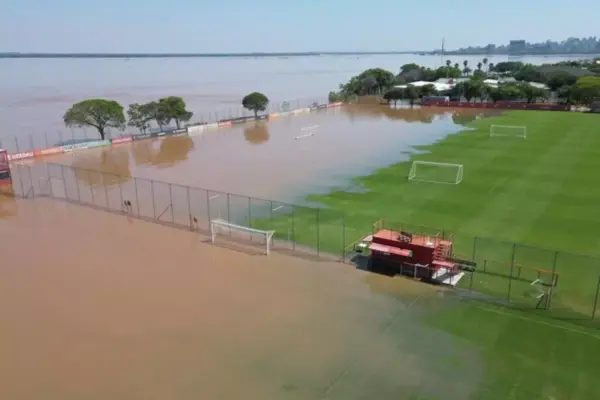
195,55
276,55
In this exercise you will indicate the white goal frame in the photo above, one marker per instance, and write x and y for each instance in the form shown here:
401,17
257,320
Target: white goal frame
220,225
412,175
522,131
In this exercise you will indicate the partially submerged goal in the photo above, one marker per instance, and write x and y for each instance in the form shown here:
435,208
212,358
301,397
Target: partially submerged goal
222,227
436,172
516,131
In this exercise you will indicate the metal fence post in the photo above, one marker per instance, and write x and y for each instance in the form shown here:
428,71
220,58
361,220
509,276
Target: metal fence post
91,186
46,137
103,177
120,192
474,248
62,173
551,294
189,204
512,264
171,204
31,180
596,299
250,213
153,202
137,197
229,209
208,207
77,185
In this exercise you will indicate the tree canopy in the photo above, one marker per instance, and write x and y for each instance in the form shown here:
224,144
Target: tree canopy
97,113
256,102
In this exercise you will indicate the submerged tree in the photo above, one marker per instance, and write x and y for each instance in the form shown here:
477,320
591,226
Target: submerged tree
97,113
255,102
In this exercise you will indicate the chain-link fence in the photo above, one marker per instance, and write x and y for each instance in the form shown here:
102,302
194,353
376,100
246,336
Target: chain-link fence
29,142
562,284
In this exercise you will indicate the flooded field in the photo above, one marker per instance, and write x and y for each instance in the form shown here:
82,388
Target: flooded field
96,306
284,159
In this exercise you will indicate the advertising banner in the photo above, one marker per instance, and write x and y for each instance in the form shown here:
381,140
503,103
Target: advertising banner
321,106
330,105
86,145
224,123
20,156
274,115
212,126
46,152
242,120
180,130
124,139
140,136
195,130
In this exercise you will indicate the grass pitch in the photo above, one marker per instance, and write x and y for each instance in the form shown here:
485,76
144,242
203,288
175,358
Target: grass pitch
542,192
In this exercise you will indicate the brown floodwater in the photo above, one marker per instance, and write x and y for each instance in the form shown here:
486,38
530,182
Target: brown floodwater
264,159
94,305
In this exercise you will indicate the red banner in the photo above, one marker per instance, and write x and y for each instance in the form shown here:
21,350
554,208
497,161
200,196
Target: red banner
51,150
123,139
224,123
20,156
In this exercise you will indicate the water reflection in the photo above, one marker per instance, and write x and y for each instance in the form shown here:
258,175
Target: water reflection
171,150
8,204
257,132
425,115
113,162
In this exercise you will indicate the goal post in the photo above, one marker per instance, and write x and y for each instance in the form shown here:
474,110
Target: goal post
436,172
517,131
222,227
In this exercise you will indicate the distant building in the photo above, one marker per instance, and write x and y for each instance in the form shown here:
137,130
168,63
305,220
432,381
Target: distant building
517,47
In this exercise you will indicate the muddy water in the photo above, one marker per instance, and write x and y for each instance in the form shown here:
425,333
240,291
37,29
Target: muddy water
96,306
266,160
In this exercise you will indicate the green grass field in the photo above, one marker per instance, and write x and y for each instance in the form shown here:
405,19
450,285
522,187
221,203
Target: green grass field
541,192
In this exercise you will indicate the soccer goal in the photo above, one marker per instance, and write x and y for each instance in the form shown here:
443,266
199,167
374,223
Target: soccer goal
436,172
509,130
223,227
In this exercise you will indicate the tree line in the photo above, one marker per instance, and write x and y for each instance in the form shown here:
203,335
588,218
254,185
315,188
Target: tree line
103,114
573,82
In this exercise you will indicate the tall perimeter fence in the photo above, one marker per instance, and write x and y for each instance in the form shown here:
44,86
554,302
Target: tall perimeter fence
45,139
557,284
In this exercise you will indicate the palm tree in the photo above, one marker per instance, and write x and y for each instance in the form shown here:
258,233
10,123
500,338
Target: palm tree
491,67
456,65
466,63
485,62
479,65
448,63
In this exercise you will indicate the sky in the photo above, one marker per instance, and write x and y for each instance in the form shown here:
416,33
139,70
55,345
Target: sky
226,26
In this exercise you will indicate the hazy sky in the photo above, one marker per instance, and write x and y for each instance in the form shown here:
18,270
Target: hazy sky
269,25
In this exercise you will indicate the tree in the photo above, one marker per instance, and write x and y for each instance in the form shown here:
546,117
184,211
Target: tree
255,102
558,79
369,84
485,62
587,89
529,73
532,93
448,63
456,65
466,70
470,89
465,63
97,113
491,67
479,74
173,108
138,117
335,97
152,111
411,93
393,95
479,65
427,90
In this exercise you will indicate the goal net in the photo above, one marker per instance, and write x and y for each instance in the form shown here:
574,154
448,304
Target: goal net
436,172
223,227
509,130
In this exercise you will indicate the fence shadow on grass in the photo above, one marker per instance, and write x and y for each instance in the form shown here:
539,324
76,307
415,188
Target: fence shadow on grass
557,284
